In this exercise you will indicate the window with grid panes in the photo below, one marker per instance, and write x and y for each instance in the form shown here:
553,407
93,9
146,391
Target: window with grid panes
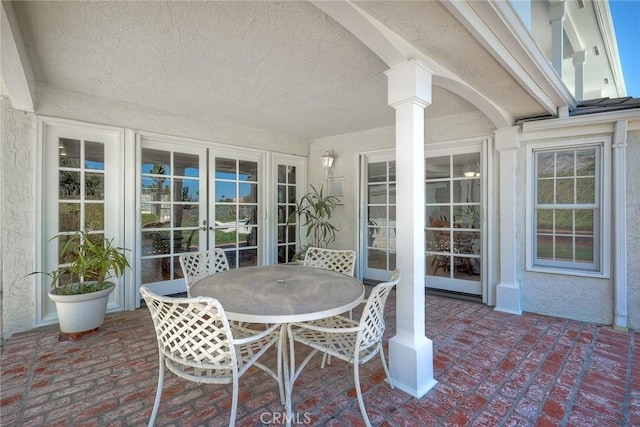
567,208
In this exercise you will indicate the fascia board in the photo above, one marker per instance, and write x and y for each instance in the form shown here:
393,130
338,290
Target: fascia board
582,121
605,22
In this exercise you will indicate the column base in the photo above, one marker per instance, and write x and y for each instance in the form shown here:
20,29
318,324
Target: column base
620,323
508,298
411,366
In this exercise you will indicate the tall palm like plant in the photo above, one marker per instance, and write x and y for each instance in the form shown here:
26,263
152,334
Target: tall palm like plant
314,211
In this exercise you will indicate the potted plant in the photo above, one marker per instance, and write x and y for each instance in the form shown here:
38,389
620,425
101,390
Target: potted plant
81,286
313,212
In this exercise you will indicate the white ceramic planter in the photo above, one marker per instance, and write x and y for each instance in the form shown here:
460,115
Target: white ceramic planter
80,313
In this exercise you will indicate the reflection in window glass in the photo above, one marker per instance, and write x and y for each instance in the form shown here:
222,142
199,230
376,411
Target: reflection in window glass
156,162
94,216
69,185
68,217
94,155
186,165
225,168
69,153
247,171
94,186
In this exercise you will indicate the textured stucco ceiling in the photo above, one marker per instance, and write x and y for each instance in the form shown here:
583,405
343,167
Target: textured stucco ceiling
281,66
430,28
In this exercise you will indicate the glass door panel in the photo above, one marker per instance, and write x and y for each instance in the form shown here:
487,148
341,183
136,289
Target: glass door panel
172,180
453,222
380,208
286,220
289,183
235,208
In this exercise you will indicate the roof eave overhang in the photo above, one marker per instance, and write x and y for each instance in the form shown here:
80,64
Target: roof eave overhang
605,22
498,28
604,119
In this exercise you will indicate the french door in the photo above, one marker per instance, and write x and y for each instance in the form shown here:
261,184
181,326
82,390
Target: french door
82,183
453,198
453,209
289,180
379,203
192,198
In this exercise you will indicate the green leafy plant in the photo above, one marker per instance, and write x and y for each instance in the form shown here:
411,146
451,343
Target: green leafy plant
89,261
313,212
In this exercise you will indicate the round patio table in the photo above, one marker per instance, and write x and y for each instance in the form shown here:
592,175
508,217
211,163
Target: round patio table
281,294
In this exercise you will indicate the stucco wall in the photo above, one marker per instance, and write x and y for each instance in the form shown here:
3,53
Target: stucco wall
93,109
17,167
633,230
345,149
573,297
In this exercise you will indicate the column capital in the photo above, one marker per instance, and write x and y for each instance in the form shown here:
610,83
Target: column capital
507,138
557,11
409,82
579,57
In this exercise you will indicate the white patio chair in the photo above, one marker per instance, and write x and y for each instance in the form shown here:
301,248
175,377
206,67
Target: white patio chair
355,342
342,261
196,343
200,264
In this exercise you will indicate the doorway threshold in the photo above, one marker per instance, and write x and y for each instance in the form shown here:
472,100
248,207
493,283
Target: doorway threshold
454,294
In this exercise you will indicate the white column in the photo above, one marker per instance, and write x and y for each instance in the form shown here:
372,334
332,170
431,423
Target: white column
620,224
508,291
556,18
410,351
578,66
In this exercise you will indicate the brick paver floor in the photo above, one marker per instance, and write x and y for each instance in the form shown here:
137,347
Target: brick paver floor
493,369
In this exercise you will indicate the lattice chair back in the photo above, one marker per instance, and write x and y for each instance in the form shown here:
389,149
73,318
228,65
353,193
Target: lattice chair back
201,264
193,333
342,261
372,319
196,343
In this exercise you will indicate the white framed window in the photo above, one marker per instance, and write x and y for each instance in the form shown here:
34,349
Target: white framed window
568,206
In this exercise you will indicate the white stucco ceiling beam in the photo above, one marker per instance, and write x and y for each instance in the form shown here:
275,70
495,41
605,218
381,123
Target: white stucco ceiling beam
497,26
16,70
359,24
394,50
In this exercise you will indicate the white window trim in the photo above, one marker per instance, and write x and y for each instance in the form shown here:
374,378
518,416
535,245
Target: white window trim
605,209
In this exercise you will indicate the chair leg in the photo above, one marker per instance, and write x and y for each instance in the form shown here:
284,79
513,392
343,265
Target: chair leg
384,366
281,342
156,404
326,360
234,400
356,379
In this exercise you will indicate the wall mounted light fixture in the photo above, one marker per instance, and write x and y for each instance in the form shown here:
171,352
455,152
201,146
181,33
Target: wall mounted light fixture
327,160
327,163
